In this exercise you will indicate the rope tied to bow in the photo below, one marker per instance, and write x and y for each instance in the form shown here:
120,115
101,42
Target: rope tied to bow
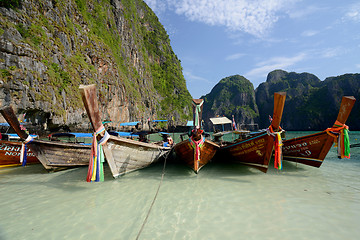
277,146
23,152
96,169
197,145
340,133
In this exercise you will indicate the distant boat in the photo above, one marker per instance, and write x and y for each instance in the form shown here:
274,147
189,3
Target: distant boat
10,151
52,155
355,145
312,149
122,155
124,134
196,151
256,149
72,137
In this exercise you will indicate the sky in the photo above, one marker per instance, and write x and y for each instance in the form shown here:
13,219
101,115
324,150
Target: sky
215,39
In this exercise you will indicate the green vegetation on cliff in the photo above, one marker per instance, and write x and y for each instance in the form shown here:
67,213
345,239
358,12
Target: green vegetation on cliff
233,95
118,44
310,104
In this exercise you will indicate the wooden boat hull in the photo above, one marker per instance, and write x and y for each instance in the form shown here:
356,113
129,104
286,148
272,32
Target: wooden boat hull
10,154
309,150
122,155
57,155
312,149
186,153
52,155
255,151
126,155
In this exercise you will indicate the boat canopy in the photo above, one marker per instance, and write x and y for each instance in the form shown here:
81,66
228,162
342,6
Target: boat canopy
15,136
123,134
4,125
190,123
129,123
220,120
164,133
72,134
159,120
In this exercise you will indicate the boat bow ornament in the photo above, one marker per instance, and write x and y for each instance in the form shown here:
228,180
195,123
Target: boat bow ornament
23,153
197,145
340,133
277,146
197,122
97,159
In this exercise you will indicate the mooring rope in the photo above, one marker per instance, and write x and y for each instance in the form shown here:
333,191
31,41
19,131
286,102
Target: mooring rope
156,194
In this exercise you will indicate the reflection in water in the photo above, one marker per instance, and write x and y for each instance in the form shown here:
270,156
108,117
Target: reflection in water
223,201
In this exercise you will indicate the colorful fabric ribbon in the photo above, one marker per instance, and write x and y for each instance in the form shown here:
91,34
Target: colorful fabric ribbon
233,123
342,140
96,169
197,123
23,152
277,147
278,151
197,145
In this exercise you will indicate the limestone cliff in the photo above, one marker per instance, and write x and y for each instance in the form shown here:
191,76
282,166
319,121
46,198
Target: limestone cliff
232,96
297,88
49,48
310,104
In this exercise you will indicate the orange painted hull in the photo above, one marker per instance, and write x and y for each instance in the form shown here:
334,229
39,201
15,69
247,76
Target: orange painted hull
186,153
255,151
309,150
10,154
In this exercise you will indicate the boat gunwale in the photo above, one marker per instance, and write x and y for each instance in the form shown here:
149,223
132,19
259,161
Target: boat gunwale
62,144
245,140
307,136
137,143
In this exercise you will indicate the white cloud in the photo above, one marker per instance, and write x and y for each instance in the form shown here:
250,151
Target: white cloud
332,52
303,12
189,76
309,33
353,13
263,68
157,6
254,17
234,56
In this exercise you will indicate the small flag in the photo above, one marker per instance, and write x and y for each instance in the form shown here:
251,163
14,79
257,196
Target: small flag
233,122
270,118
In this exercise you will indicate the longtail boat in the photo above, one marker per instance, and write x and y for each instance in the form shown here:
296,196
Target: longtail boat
122,155
11,151
52,155
355,145
312,149
196,151
255,150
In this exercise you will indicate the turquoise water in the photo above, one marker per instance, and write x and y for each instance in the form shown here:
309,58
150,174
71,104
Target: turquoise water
222,201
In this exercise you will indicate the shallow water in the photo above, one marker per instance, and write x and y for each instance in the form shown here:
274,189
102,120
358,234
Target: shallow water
222,201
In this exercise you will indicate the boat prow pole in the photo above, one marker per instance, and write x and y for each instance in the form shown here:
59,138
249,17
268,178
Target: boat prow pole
89,97
279,102
346,106
9,115
197,117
